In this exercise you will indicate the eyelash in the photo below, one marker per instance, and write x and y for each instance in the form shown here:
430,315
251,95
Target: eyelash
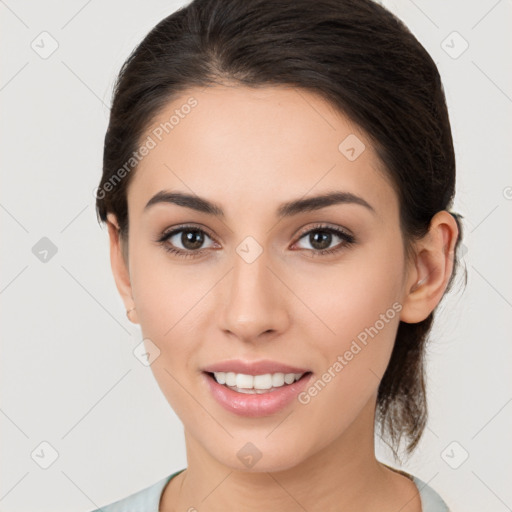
348,240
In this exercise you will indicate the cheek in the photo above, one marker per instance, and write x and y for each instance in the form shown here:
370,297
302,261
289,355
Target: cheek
353,294
169,309
360,305
166,292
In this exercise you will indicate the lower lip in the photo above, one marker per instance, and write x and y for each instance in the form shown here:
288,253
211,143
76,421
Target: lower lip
256,405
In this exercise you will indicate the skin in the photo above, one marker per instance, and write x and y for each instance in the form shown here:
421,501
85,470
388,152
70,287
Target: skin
249,150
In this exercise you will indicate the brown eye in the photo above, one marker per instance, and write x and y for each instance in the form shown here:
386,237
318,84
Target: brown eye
192,239
321,237
184,241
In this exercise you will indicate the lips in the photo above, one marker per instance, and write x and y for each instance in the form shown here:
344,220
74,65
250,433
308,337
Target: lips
256,405
253,367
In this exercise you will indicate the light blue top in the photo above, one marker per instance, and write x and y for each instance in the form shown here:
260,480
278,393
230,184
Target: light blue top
148,499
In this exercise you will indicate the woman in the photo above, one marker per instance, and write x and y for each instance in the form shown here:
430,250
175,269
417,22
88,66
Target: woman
277,183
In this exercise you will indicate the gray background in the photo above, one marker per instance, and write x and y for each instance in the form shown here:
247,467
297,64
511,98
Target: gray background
68,375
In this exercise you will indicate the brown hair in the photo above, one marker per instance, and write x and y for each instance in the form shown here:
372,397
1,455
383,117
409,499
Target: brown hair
360,58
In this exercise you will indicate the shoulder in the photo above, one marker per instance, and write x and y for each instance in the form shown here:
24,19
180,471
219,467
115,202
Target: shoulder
430,499
145,500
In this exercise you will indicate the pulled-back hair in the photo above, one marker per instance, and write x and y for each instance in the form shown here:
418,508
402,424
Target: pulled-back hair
358,57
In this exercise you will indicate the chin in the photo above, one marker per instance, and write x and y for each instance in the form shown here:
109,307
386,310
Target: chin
265,456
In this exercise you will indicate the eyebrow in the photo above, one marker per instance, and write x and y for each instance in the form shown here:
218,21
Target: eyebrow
287,209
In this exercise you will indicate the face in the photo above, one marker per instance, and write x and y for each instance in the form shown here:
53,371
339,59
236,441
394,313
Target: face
318,289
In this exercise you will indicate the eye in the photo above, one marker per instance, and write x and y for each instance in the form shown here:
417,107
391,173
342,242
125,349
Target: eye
321,237
187,241
184,241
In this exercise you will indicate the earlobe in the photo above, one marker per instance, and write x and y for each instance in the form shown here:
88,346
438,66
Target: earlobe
119,266
432,268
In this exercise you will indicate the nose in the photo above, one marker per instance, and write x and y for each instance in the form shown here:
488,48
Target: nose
255,300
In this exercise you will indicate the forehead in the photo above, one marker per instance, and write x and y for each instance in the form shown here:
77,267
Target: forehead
229,142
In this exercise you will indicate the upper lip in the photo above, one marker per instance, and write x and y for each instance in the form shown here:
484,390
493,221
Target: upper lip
253,368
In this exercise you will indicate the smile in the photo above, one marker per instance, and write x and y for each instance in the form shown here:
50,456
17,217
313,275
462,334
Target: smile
256,384
249,401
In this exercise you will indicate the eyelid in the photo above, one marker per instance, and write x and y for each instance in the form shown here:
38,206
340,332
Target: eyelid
304,231
326,226
183,227
167,234
346,236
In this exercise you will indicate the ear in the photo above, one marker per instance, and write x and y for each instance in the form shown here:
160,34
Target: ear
119,264
431,268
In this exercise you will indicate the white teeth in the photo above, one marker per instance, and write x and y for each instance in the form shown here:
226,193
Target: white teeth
230,378
244,381
277,380
289,378
262,381
266,381
220,377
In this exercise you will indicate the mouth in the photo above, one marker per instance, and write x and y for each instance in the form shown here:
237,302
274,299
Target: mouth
256,384
255,396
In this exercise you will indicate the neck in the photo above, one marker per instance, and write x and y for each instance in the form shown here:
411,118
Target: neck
342,475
